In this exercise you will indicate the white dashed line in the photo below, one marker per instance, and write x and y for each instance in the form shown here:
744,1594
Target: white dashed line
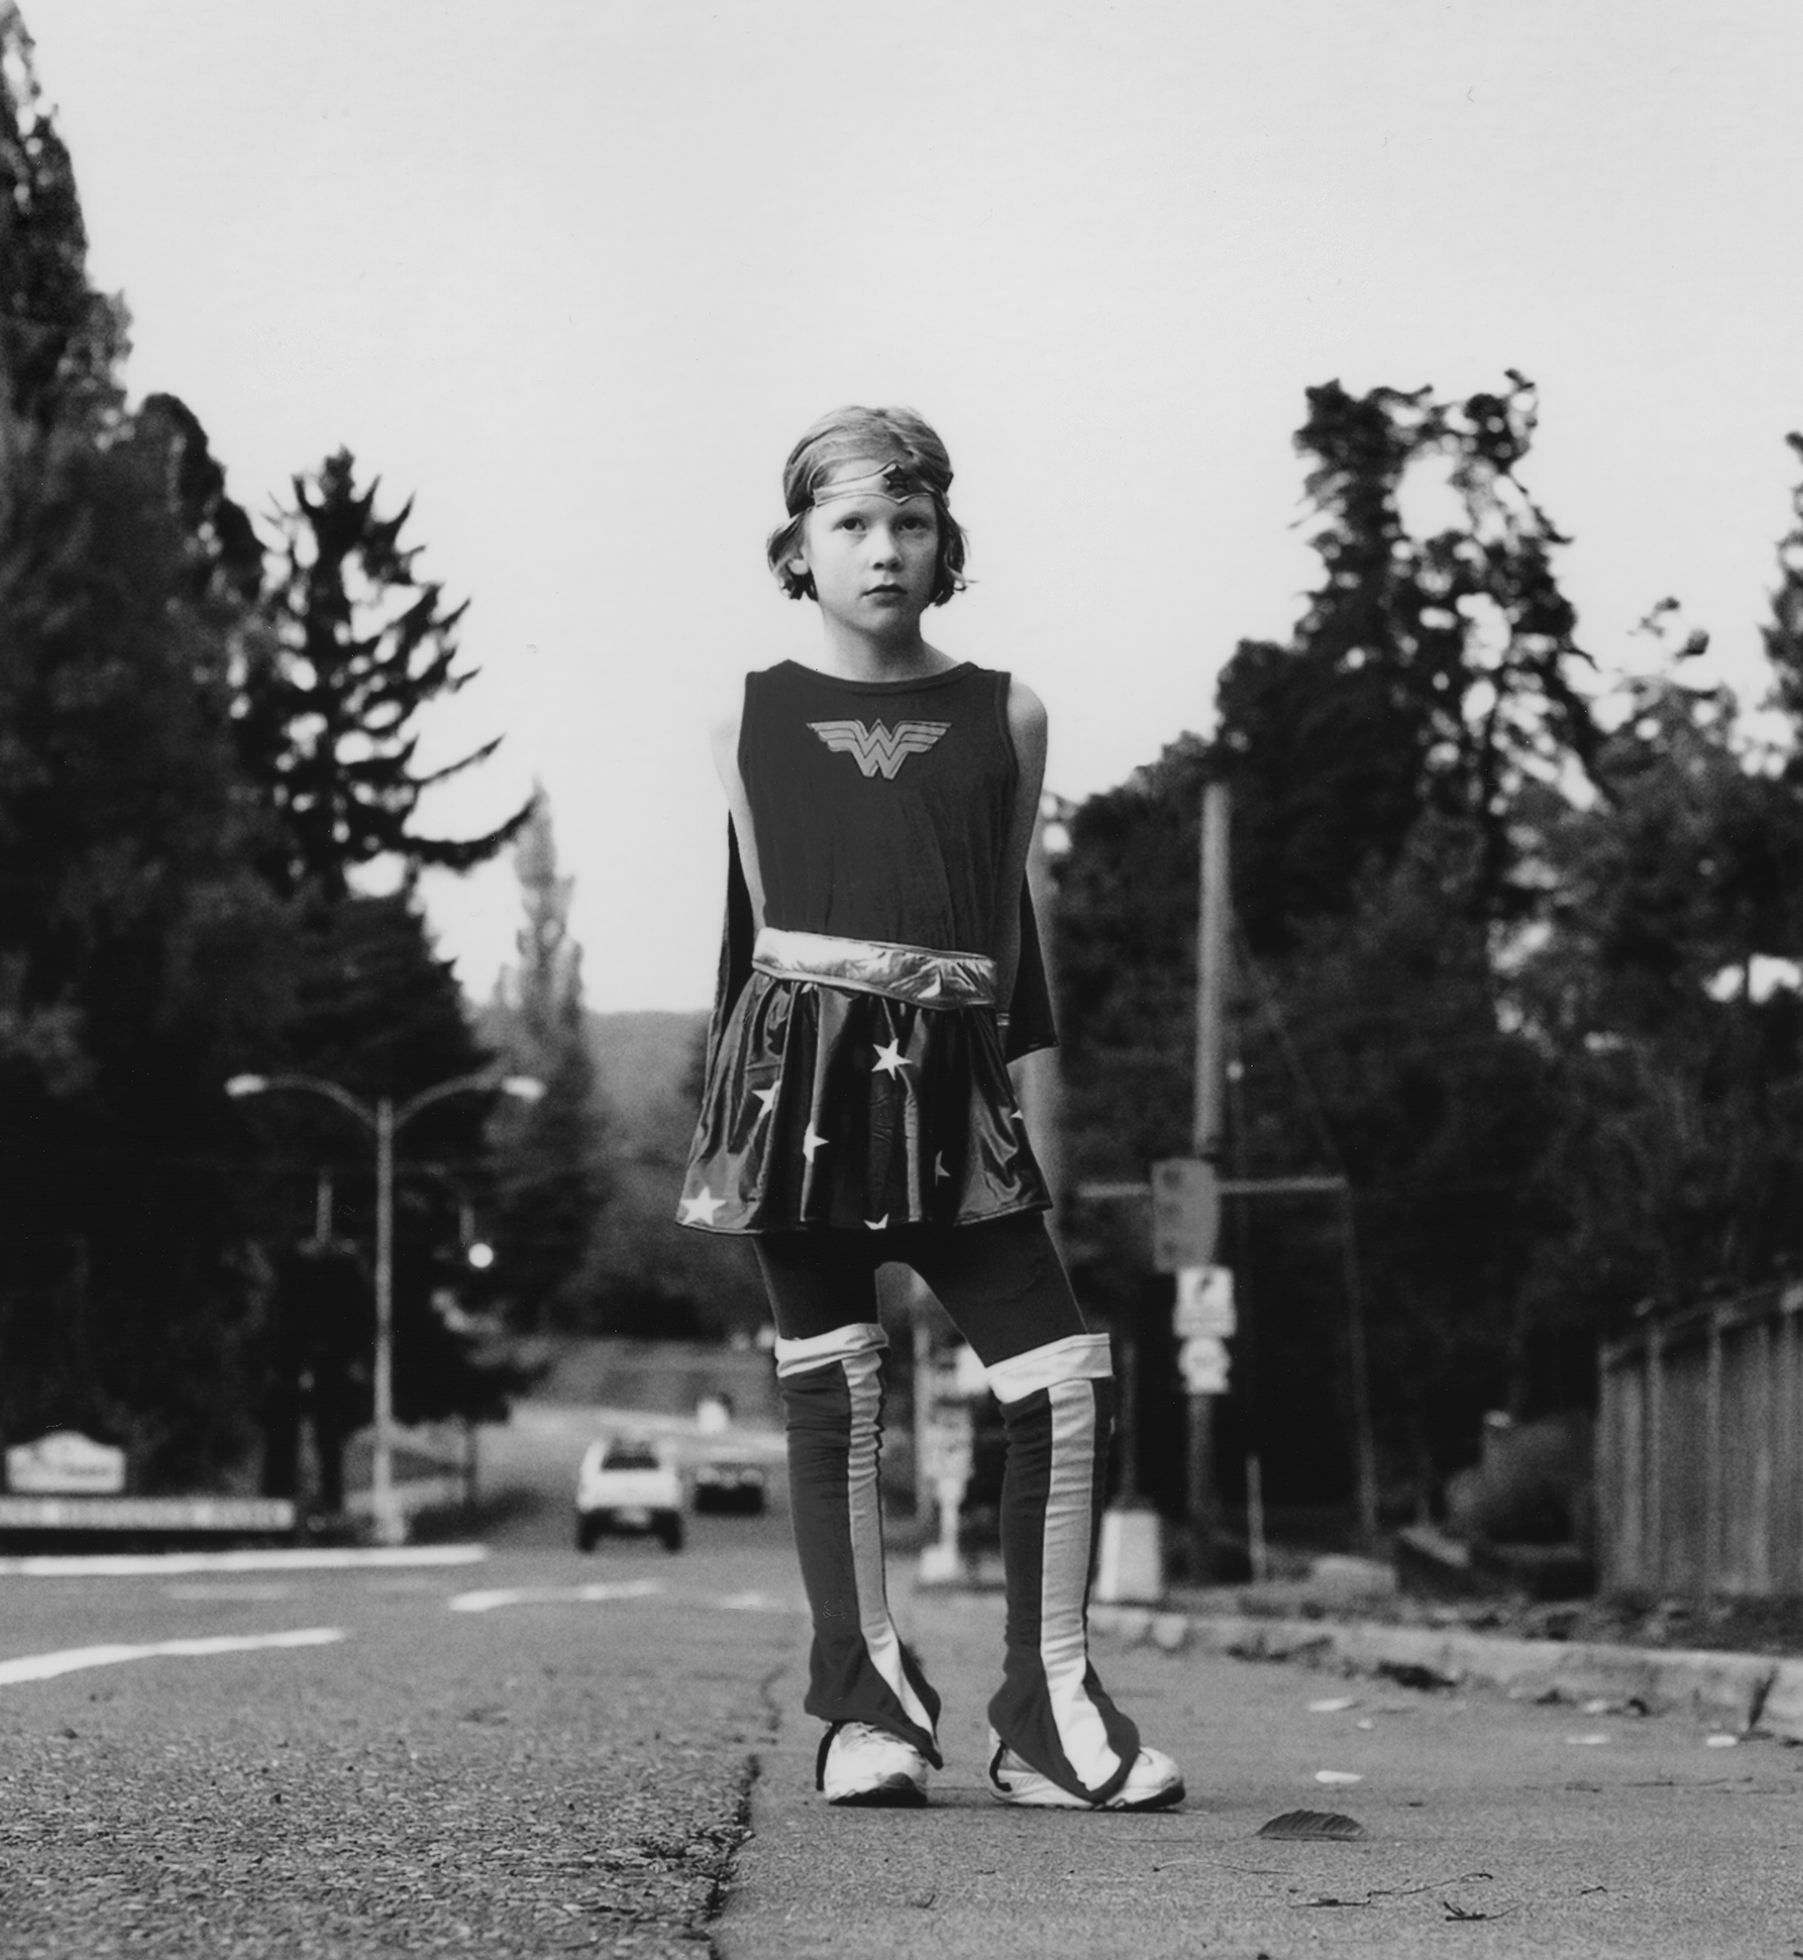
44,1667
486,1602
607,1590
256,1595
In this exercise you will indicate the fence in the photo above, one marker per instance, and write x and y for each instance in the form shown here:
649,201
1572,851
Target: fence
1700,1452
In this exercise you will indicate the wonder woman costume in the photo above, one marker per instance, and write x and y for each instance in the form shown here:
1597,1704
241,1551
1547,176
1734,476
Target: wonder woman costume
857,1060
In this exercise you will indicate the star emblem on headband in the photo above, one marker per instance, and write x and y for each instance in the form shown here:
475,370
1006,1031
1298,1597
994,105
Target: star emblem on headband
895,480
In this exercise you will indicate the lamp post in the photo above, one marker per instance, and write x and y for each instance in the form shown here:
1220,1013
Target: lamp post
385,1119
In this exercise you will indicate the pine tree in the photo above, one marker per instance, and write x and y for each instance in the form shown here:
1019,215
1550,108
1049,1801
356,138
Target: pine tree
550,1166
327,723
1784,637
60,341
140,962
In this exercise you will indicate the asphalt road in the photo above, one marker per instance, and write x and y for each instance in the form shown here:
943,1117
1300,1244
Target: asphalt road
1487,1826
540,1753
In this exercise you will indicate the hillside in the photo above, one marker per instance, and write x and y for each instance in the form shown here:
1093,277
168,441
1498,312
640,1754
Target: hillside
644,1062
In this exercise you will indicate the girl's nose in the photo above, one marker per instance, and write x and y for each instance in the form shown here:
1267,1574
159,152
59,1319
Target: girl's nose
885,547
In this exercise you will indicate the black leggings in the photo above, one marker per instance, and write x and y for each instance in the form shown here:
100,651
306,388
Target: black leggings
1002,1282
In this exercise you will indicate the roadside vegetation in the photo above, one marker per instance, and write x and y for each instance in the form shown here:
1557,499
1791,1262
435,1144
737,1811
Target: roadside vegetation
1517,940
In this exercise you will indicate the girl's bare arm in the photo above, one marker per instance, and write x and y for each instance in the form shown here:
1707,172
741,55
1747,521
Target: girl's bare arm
725,741
1027,727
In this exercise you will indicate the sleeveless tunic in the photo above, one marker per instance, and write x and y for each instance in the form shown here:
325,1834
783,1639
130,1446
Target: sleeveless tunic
880,812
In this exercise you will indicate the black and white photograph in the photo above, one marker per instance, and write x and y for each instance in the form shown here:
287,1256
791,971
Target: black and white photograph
901,979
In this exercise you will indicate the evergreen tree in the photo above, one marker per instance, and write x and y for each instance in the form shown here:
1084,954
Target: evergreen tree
550,1168
140,962
327,723
1784,636
225,553
60,341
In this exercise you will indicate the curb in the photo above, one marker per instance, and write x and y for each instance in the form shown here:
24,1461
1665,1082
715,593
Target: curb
1749,1691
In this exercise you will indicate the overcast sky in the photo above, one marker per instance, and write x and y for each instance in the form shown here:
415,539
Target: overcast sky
574,275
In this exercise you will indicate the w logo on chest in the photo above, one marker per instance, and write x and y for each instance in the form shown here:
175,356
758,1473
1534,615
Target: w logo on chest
879,748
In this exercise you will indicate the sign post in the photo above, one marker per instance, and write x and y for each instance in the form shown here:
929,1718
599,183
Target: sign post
1186,1213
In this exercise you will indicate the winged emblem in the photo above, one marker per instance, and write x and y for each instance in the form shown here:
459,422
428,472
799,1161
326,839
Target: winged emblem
880,747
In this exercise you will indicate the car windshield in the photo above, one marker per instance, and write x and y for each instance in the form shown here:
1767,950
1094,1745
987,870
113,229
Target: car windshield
630,1456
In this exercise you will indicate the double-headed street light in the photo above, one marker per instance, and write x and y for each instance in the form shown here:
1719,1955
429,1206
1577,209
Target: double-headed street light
385,1119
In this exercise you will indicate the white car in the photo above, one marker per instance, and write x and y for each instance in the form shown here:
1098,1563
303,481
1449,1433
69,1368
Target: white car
628,1486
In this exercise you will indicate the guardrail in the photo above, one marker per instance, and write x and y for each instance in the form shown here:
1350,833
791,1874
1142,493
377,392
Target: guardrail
1700,1451
435,1470
41,1522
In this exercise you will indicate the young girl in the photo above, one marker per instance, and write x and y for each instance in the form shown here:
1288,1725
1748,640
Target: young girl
881,968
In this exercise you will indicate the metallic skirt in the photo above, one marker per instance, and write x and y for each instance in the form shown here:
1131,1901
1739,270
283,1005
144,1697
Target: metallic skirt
861,1085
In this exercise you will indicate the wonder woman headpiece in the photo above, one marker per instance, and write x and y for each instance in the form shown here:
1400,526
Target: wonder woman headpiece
897,480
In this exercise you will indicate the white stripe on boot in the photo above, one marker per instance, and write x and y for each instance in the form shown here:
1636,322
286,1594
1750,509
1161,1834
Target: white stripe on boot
858,1350
1063,1370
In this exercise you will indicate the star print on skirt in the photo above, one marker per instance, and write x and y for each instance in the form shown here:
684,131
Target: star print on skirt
841,1106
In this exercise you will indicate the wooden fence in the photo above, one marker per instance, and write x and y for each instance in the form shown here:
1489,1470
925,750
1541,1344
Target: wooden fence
1700,1452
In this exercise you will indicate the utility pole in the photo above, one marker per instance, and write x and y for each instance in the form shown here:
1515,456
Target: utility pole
1212,955
385,1512
1185,1200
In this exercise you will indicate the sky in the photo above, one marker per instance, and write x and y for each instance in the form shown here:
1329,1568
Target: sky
574,274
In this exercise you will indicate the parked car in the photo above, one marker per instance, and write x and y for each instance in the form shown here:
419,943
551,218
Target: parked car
729,1483
628,1486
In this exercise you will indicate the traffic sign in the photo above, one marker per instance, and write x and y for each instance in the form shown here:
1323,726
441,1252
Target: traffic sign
1204,1303
1203,1362
1186,1213
948,1443
65,1461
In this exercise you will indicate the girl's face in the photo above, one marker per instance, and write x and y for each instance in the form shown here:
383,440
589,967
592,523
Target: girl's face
873,560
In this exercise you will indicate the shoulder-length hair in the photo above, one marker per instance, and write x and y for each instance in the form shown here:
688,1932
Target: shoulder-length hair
877,436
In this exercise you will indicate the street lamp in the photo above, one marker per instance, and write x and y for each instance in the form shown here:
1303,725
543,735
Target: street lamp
385,1118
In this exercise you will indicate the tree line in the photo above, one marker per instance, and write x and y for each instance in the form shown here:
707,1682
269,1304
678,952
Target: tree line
1507,927
210,840
1512,936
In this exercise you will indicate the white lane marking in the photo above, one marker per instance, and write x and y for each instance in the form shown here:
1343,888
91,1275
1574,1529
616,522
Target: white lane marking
43,1667
261,1595
307,1558
486,1602
750,1602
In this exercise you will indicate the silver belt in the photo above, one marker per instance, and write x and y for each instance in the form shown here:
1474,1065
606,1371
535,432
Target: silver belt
877,966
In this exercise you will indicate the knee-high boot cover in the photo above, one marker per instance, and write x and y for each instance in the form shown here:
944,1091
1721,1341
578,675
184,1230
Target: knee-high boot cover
1051,1710
832,1392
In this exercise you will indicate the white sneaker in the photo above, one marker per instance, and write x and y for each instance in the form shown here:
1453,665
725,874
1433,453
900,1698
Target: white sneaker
864,1765
1154,1783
